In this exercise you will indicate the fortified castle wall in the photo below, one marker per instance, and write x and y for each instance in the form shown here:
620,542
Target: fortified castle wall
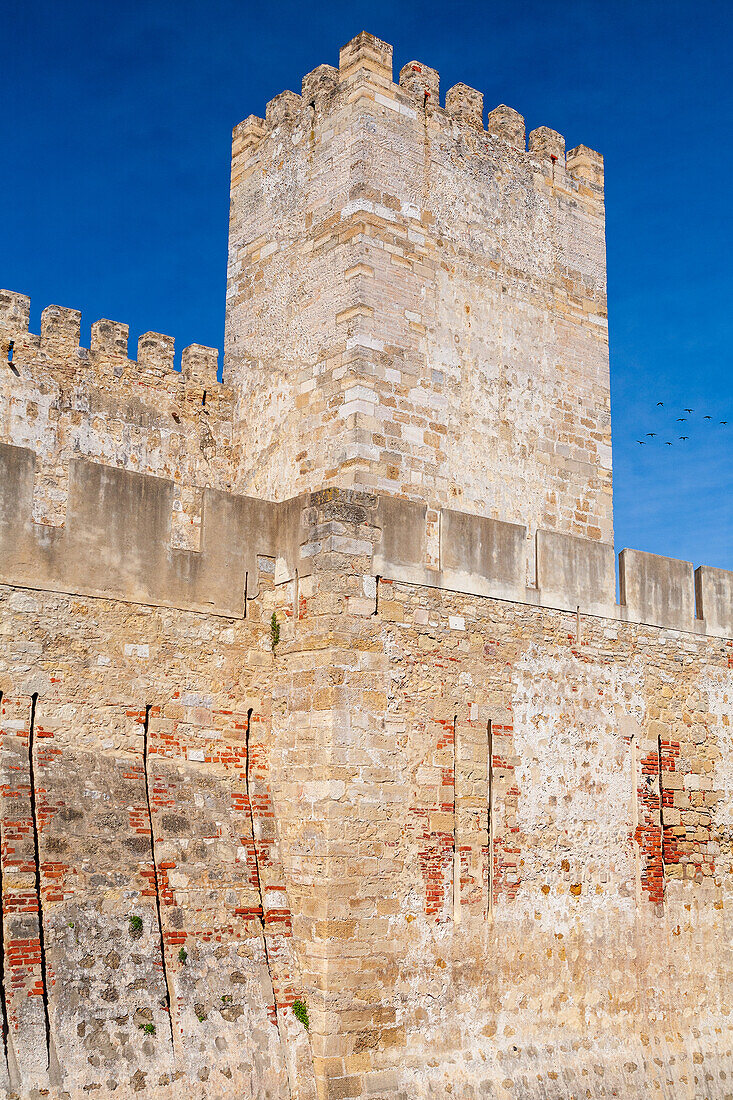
459,799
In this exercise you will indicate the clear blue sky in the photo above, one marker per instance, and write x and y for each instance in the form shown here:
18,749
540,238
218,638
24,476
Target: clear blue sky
116,126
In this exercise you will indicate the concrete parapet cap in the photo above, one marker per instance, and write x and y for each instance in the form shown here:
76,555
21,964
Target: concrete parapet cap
486,557
575,574
116,539
116,542
657,590
714,600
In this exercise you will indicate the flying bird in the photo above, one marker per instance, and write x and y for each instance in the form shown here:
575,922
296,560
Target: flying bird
681,419
642,442
668,444
723,421
651,434
660,403
689,410
684,437
707,418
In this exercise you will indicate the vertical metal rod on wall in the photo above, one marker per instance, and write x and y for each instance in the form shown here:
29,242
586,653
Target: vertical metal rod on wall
490,818
456,853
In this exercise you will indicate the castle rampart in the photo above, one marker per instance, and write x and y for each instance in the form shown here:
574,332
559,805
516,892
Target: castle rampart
331,763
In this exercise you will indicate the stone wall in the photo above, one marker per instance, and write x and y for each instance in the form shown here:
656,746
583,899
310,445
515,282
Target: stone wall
529,844
531,921
487,842
147,927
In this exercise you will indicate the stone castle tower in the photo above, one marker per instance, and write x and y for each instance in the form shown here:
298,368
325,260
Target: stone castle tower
330,764
416,305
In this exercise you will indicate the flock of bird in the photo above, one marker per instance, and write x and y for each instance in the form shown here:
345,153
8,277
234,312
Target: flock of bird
680,420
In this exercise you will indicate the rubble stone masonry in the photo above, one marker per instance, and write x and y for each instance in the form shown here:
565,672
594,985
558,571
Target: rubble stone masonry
315,690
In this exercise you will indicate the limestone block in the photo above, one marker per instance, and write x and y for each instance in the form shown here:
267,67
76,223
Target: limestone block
547,142
60,329
156,352
422,82
319,85
585,164
15,311
199,366
110,338
282,108
368,55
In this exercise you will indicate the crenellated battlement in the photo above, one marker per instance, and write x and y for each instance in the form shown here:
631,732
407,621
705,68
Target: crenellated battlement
107,357
63,401
365,68
116,541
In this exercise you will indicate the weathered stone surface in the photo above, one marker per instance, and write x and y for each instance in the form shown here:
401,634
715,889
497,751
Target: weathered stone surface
483,555
116,539
418,306
282,719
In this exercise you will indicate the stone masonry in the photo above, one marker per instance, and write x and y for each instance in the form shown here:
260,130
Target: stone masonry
315,690
416,305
